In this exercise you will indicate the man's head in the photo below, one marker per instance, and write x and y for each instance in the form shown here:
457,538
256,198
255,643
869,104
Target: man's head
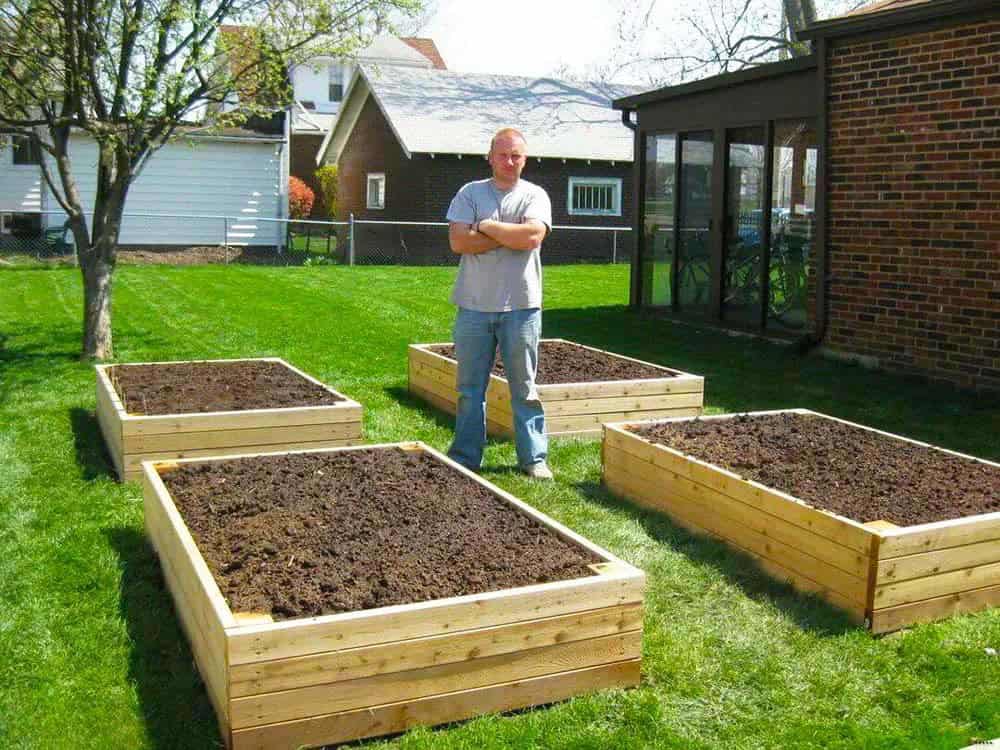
508,153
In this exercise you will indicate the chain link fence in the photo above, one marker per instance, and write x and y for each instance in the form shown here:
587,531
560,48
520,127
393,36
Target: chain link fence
199,239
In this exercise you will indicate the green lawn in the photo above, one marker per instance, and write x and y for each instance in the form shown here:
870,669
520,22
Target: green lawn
91,654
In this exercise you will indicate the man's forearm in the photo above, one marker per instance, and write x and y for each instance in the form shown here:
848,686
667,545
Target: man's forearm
466,241
525,236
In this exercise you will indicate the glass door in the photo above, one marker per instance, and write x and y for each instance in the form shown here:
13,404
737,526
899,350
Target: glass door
743,258
658,220
694,226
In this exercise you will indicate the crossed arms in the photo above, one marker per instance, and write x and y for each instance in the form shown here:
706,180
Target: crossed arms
465,240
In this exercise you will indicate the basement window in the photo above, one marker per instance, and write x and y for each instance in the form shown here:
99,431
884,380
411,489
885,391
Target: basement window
376,190
594,196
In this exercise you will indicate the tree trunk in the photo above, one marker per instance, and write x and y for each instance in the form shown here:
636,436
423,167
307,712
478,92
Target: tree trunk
97,273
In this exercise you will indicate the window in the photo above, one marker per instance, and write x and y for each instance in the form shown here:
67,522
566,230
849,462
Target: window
376,190
335,91
595,196
26,151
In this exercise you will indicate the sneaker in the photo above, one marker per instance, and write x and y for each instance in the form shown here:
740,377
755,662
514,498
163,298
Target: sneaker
540,470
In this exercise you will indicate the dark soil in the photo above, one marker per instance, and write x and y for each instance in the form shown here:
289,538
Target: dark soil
855,473
564,362
191,387
319,533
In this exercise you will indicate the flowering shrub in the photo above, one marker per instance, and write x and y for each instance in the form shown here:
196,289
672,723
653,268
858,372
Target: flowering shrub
300,198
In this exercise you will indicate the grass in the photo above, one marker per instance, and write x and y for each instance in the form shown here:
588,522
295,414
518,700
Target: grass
91,654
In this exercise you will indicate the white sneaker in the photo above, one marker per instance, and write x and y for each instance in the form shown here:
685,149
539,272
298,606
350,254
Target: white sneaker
540,470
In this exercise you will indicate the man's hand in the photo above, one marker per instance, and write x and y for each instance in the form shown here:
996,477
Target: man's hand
465,240
526,236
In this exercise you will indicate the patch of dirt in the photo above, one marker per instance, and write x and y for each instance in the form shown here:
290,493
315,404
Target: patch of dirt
208,254
318,533
565,362
855,473
192,387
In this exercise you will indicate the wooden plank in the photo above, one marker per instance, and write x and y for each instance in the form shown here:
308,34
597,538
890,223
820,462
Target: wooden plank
133,463
230,438
593,421
497,390
624,487
941,535
928,587
197,600
351,664
347,411
440,709
621,388
625,404
844,531
735,514
110,425
288,705
497,423
370,627
704,510
938,561
887,619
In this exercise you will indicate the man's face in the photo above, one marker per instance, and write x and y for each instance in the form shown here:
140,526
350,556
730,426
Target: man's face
507,158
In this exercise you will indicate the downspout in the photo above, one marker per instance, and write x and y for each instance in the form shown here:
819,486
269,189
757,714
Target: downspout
627,120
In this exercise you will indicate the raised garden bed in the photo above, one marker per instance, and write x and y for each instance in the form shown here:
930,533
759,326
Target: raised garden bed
362,591
891,530
163,410
580,387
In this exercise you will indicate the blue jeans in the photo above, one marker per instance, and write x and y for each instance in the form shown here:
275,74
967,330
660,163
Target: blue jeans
477,335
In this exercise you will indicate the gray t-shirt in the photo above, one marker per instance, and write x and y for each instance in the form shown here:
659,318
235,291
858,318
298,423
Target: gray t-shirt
502,279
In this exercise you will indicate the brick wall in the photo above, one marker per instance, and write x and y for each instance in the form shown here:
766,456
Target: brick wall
302,164
421,188
914,202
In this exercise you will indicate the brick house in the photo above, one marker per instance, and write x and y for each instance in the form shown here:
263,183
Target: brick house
851,196
406,139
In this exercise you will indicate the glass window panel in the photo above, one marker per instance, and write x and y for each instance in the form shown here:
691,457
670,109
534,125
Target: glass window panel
743,262
658,219
695,224
793,222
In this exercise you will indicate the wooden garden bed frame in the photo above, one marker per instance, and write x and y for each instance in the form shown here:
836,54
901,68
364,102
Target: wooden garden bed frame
133,438
570,408
885,576
330,679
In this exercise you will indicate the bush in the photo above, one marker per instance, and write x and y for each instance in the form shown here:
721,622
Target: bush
300,198
326,176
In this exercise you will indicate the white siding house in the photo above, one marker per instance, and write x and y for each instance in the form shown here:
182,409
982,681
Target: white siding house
244,177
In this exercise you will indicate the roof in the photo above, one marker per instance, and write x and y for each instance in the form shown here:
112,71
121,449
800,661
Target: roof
444,112
230,133
427,48
889,14
391,50
723,80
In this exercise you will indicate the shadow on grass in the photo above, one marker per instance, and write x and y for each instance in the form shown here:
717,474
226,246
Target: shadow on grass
807,611
29,365
88,442
172,698
407,399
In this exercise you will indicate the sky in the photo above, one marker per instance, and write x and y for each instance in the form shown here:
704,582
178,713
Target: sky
522,37
545,37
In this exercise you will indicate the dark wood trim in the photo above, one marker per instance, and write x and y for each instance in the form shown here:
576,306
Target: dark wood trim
724,80
765,232
638,210
675,286
718,238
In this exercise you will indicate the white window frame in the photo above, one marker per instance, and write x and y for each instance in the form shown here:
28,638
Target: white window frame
376,177
614,182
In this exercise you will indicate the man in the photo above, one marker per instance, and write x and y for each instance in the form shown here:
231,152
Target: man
497,226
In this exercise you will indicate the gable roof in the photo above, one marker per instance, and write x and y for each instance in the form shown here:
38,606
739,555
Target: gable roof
427,48
443,112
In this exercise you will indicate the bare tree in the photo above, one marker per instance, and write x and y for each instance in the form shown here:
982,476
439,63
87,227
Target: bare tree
674,42
128,73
